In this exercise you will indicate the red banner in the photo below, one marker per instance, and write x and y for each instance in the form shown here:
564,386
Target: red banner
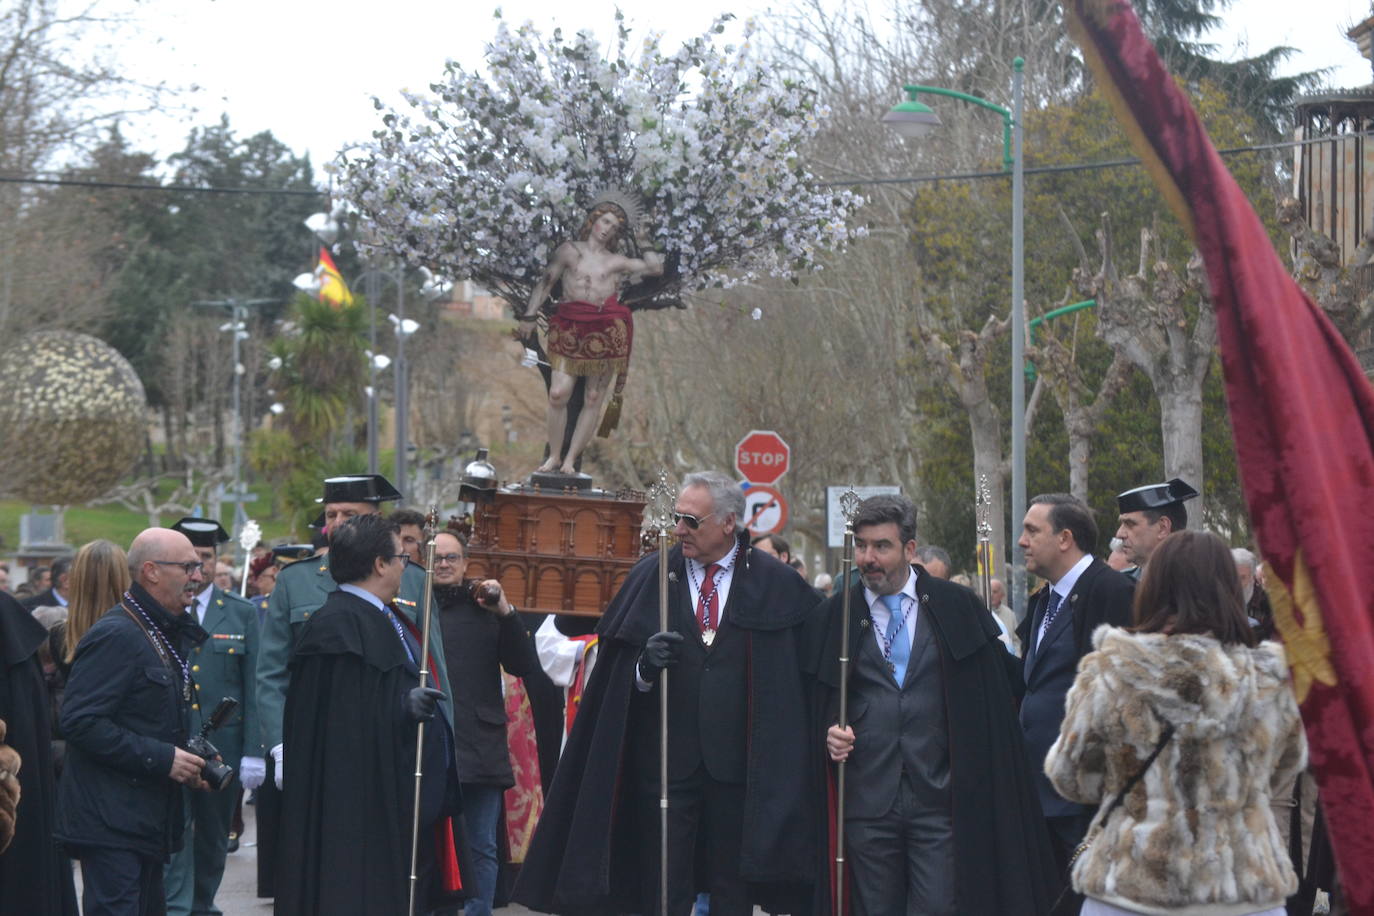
1303,414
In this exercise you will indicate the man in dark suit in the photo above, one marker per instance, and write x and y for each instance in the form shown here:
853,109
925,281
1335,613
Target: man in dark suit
349,721
301,590
482,634
737,812
222,666
1082,593
940,813
56,594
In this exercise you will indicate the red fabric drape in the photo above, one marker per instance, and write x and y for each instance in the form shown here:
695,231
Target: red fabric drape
1303,414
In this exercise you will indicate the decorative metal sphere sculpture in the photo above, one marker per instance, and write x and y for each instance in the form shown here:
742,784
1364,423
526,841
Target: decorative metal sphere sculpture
72,415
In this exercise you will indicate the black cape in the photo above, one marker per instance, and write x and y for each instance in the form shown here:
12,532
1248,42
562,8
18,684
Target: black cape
1003,862
349,784
35,877
584,857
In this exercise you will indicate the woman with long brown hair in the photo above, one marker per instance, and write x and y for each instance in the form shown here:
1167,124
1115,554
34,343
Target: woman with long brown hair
100,574
1181,729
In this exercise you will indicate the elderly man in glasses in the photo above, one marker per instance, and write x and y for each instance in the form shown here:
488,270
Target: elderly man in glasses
737,735
482,635
125,714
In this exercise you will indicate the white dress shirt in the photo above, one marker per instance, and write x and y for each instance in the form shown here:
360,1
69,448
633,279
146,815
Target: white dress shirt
203,603
1063,588
882,617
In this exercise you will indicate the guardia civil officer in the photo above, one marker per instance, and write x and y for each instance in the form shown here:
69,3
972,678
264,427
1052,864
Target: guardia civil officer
222,666
1149,514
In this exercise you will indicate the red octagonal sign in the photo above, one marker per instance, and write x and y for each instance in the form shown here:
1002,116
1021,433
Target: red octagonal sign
762,456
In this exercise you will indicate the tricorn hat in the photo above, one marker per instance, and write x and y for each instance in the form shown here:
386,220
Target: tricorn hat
290,553
359,488
202,532
1155,496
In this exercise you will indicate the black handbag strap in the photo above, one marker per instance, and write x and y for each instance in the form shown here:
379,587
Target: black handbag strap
1164,737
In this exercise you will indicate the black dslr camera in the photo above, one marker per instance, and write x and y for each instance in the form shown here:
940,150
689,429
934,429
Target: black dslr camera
216,773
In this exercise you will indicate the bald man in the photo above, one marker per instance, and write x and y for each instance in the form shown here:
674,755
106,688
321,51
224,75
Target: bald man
124,713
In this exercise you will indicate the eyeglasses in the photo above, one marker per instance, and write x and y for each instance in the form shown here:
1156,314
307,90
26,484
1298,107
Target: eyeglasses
398,556
450,558
691,521
189,567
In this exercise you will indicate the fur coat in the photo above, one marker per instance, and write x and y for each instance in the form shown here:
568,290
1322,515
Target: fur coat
1196,834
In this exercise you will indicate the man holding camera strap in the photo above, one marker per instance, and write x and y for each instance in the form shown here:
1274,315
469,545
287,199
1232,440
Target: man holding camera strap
125,714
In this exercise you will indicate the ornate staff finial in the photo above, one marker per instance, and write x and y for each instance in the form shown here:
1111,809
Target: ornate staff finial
984,508
250,535
849,505
658,506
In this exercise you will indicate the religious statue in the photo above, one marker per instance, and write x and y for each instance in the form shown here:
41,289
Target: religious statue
591,330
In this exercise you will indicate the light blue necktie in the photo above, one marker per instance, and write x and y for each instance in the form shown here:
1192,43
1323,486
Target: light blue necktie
896,638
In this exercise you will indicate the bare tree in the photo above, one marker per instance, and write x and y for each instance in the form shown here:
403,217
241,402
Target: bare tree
55,95
1163,323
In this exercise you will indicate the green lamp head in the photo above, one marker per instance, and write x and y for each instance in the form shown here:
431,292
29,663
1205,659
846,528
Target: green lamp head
911,118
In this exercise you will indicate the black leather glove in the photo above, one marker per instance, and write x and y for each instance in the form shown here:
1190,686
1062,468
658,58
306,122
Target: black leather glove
661,651
421,703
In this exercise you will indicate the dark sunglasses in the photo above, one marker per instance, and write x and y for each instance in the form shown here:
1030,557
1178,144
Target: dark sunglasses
691,521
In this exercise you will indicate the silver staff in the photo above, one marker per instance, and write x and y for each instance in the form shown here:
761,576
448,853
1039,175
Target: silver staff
984,515
658,516
430,522
849,506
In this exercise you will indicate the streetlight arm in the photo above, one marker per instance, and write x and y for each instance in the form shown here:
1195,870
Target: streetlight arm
1007,120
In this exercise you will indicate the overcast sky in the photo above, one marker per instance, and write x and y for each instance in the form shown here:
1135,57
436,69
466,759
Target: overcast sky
307,71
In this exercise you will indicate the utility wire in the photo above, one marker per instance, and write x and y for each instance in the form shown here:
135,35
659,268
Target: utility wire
1068,167
167,188
834,182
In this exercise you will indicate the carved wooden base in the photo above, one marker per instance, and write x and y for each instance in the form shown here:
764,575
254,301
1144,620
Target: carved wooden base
563,552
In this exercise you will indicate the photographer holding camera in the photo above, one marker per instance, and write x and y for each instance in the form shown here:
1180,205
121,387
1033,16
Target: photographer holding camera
125,716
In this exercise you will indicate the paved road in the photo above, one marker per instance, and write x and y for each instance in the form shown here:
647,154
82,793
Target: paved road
238,894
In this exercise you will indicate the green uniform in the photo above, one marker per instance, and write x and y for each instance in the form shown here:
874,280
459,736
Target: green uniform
300,590
225,665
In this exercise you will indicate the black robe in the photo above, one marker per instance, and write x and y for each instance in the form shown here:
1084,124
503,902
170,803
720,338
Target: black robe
585,854
349,784
1002,856
35,878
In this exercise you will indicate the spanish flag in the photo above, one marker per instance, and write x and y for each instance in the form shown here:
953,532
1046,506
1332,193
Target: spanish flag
1303,416
333,289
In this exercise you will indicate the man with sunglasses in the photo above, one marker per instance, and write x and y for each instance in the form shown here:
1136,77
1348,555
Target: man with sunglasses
736,735
350,724
125,713
482,634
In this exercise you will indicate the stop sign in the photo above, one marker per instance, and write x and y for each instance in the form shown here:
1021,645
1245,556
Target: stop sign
762,456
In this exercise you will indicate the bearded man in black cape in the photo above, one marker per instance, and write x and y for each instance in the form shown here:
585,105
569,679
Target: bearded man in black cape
941,816
738,806
349,729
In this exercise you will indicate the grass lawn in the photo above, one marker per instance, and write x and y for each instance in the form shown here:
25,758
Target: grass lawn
118,524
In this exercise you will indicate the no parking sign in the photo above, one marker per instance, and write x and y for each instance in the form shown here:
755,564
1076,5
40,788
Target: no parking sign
765,511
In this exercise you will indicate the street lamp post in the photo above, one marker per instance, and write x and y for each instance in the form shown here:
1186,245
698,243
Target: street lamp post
914,119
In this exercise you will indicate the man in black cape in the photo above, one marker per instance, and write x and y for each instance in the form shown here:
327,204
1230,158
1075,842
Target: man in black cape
738,812
941,814
349,729
35,878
